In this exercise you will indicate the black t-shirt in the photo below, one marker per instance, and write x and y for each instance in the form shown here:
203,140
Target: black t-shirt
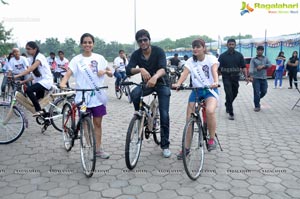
174,62
156,61
230,63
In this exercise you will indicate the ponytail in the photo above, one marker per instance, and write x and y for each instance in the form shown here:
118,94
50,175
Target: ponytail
33,45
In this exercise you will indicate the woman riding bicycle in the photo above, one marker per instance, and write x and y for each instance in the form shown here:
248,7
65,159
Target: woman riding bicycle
89,70
41,74
203,69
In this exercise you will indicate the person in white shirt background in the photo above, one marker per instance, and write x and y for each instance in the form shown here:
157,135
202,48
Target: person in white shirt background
5,63
52,61
41,74
18,64
62,64
119,65
89,70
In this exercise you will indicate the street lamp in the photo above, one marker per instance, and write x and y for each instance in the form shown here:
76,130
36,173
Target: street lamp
135,47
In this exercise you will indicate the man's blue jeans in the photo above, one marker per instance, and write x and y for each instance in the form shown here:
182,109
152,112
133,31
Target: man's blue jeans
163,93
119,76
260,87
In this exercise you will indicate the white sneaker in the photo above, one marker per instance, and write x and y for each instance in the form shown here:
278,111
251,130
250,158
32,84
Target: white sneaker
166,153
102,154
280,87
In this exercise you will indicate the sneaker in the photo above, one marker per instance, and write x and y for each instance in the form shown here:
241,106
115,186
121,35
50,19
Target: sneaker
231,116
180,154
166,153
102,154
280,87
274,87
256,109
211,144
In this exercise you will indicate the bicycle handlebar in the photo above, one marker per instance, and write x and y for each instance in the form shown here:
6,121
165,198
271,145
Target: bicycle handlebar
132,83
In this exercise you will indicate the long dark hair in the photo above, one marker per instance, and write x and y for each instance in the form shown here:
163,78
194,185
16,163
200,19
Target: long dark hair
33,45
293,59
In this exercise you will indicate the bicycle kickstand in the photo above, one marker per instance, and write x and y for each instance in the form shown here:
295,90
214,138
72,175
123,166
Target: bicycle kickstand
219,143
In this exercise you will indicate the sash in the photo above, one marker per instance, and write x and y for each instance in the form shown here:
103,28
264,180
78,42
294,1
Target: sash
90,77
199,74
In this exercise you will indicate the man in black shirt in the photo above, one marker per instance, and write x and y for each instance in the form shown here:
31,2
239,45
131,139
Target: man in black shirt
151,62
174,61
231,63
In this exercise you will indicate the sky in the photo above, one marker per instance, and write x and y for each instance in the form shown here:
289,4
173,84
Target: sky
114,20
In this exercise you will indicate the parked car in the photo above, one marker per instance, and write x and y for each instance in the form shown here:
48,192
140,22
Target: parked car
270,70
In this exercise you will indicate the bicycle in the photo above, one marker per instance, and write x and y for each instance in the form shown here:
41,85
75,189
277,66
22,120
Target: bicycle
84,125
123,89
195,137
13,118
145,121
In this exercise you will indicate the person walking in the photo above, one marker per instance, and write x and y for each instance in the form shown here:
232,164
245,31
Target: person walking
279,69
258,76
231,63
151,62
292,65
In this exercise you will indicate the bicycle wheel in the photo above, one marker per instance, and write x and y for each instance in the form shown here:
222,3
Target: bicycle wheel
55,113
119,92
11,124
127,93
133,143
8,93
156,128
67,126
192,149
87,146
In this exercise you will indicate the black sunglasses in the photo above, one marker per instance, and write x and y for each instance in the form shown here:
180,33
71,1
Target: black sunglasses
143,40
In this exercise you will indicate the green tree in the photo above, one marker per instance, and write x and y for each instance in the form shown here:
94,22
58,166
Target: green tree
51,45
5,36
70,48
237,37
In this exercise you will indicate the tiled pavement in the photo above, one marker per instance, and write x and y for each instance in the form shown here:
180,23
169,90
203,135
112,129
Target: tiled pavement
260,158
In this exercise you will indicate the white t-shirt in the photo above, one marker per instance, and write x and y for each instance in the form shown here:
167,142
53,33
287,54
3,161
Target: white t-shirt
61,63
119,63
18,66
46,78
94,63
205,66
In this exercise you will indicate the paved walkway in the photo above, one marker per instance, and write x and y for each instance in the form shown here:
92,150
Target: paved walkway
260,158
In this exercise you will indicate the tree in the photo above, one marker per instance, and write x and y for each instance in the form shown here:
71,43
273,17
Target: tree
237,37
70,48
51,45
5,36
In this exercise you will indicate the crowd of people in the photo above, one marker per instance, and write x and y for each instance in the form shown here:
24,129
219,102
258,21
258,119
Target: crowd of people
89,70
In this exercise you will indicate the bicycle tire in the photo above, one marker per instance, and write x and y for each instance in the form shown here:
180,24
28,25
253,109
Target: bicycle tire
16,124
157,129
68,124
128,93
193,159
55,111
119,93
87,146
133,143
